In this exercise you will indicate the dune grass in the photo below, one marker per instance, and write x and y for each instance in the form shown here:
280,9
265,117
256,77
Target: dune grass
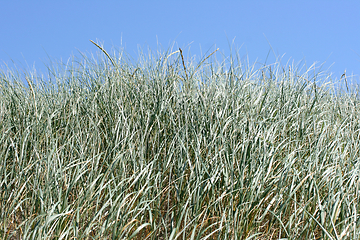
166,148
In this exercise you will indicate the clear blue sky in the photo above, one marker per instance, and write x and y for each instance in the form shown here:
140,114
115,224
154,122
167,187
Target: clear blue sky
315,31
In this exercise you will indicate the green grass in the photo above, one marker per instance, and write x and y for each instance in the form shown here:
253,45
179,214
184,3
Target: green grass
166,148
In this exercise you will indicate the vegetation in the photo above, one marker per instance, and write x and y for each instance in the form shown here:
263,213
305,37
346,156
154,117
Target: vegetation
169,149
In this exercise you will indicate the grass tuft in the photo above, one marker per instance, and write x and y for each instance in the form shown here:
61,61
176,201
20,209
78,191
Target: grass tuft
168,149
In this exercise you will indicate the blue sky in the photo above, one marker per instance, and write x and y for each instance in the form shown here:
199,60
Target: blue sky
313,31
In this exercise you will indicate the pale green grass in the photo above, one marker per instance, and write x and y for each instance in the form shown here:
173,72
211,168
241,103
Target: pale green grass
166,149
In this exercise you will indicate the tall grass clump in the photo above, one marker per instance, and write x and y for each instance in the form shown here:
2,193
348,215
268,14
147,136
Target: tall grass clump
167,148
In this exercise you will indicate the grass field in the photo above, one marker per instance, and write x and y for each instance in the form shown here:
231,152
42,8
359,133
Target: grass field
167,148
